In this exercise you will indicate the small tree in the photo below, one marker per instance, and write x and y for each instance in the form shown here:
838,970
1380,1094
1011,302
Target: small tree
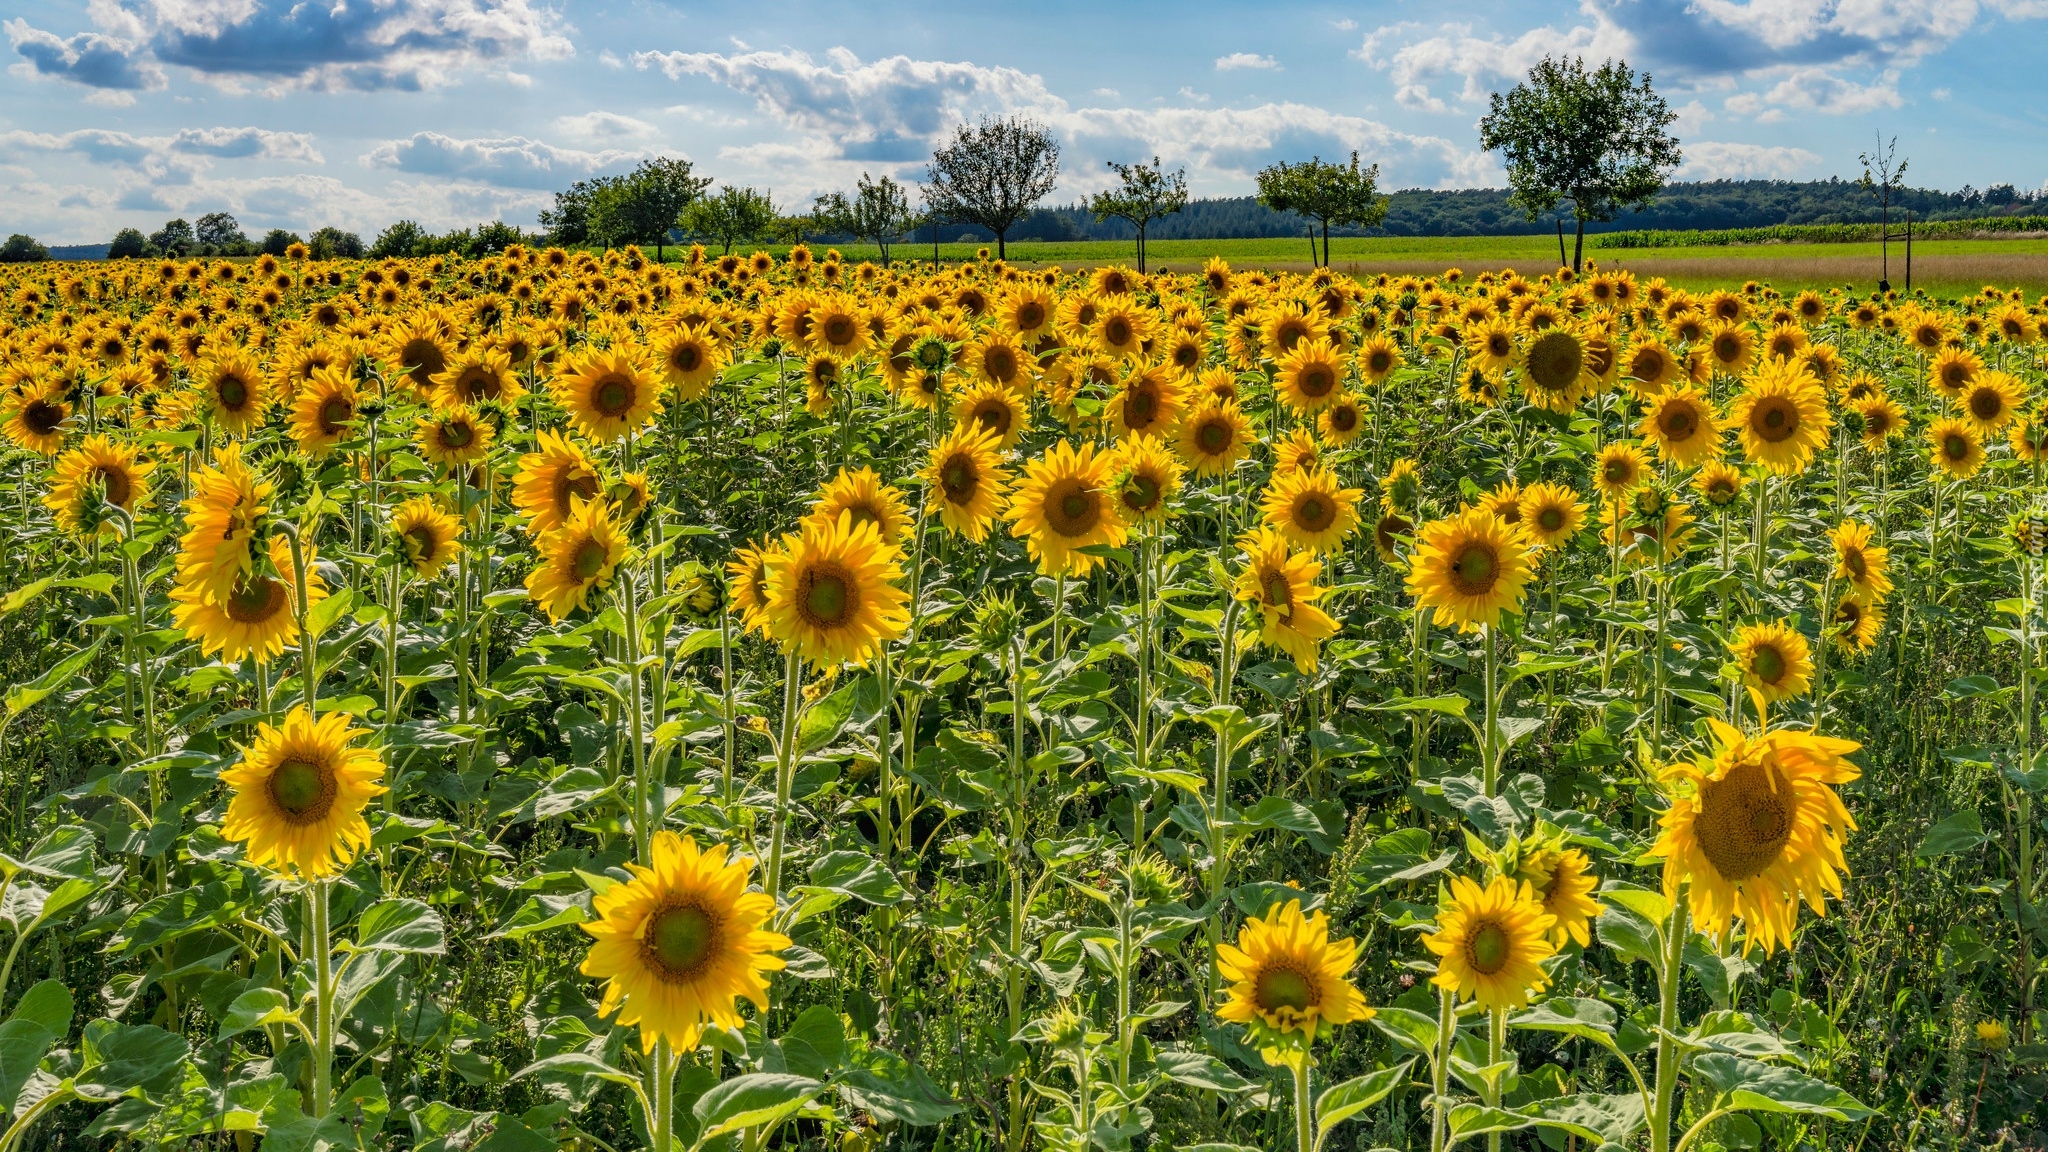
568,222
397,240
1340,194
733,216
218,233
277,240
20,249
1144,193
1595,138
332,243
879,210
128,243
174,238
496,236
641,207
1890,169
993,174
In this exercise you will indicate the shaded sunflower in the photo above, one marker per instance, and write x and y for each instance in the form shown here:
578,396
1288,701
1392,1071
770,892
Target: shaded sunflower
1563,881
323,412
576,558
255,620
1282,583
222,518
1298,451
1856,624
299,794
550,480
1860,564
1146,478
1148,402
1719,484
1650,366
427,533
747,574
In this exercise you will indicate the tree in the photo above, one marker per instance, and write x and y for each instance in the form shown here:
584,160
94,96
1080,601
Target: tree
879,210
641,207
1596,138
1891,170
1144,193
332,243
174,238
496,236
397,240
277,240
21,249
568,222
733,216
1340,194
993,174
128,243
218,233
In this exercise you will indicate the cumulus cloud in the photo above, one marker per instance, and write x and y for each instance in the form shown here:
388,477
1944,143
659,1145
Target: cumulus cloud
385,44
512,161
604,126
181,155
1238,60
1720,160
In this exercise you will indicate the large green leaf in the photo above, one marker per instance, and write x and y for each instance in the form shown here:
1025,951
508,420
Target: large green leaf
1749,1084
756,1100
1341,1102
404,926
125,1058
23,1043
1597,1118
1958,833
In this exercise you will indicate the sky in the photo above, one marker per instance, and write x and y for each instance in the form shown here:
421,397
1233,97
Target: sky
354,113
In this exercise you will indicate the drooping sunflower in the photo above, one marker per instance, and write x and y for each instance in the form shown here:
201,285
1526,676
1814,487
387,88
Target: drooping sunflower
1470,568
322,413
608,394
1146,478
1856,624
453,437
996,409
1298,451
1681,423
1954,447
1719,484
1214,437
747,573
681,943
577,557
1552,514
222,517
1618,469
1282,582
1755,830
2028,438
1148,402
690,360
1285,975
1064,504
1991,401
428,534
1782,417
1563,881
235,390
1491,942
255,619
1775,660
1553,369
115,470
1860,564
299,794
1310,376
1401,487
550,480
832,597
861,494
1312,509
965,481
36,419
1342,421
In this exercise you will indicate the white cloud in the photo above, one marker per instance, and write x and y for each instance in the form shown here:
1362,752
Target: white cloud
604,126
1817,90
1187,93
513,161
178,156
1345,25
1718,160
1237,60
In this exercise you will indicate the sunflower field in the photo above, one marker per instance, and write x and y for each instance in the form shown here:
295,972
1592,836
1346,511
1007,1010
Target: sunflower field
566,700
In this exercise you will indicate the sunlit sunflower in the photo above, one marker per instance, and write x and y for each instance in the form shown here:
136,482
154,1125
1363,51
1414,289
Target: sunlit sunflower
1298,451
1312,509
1755,830
1681,424
428,534
997,359
1563,881
1860,564
1650,367
747,576
1991,401
235,390
1782,417
1953,370
1342,421
453,437
299,794
35,420
689,360
1469,567
1214,437
1146,478
1554,370
965,481
1551,514
1285,975
996,409
1064,504
576,558
550,479
1775,660
222,517
861,494
323,412
838,328
255,620
1619,468
1882,420
681,943
1310,376
100,470
1185,352
475,375
1491,942
417,349
1148,402
1856,624
1719,484
832,596
1378,356
1282,583
1490,346
608,394
1121,327
1731,348
1953,446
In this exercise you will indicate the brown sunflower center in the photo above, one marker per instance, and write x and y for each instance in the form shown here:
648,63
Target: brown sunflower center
1213,437
1500,344
994,416
423,358
680,941
1278,988
1116,331
335,412
1476,569
477,382
114,484
1555,360
255,601
1279,593
1187,355
612,394
589,559
42,417
1774,419
1317,381
840,330
424,543
1000,364
685,358
1142,493
1072,509
1986,404
459,434
1678,424
1727,348
1488,948
302,790
1141,408
1745,820
826,596
1343,418
571,482
1550,518
1030,316
1853,561
1314,512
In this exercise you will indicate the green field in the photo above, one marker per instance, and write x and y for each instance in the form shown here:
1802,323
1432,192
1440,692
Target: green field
1944,268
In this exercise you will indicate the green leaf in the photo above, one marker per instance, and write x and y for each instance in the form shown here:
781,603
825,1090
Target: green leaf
1571,1015
23,1043
324,614
1408,1028
1756,1086
1340,1102
405,926
858,875
34,692
814,1046
756,1100
1958,833
823,721
1199,1070
890,1087
48,1004
1594,1117
125,1058
577,1064
1469,1120
1442,705
256,1008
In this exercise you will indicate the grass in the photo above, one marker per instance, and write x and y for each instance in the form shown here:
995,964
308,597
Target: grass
1945,268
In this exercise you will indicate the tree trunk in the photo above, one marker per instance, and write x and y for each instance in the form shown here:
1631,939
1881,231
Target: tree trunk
1141,249
1578,244
1311,245
1002,250
1560,242
1326,242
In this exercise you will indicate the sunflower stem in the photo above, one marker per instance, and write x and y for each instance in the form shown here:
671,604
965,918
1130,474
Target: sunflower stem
1440,1068
785,770
1675,932
308,645
319,944
1304,1113
661,1125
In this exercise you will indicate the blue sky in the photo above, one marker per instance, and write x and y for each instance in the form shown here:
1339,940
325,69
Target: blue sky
357,112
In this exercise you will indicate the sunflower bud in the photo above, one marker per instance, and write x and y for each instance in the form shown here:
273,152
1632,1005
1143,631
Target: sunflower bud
996,620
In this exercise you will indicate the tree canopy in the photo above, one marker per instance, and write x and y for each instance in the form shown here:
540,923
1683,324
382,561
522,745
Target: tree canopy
1326,193
993,173
1144,193
879,210
731,217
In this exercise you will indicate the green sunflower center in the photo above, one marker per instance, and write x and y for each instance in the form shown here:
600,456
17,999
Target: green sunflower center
1488,949
612,395
827,599
681,940
1476,569
589,560
1279,988
1768,663
302,790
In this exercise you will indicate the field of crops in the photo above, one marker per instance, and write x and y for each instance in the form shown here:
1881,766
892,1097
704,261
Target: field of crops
564,700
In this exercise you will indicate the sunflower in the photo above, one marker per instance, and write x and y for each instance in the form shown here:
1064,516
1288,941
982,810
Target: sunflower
996,409
608,394
1148,402
1490,346
831,597
1214,437
1775,661
1782,417
1287,323
475,375
1310,376
1287,975
1991,401
1026,313
1342,421
1882,420
690,360
1859,564
1757,829
222,518
1297,451
2029,439
1553,369
1311,508
1121,327
680,943
1387,532
576,558
1563,881
1551,514
418,349
1681,424
256,618
1470,567
1146,478
1401,487
1953,370
322,413
1719,484
1064,504
550,480
427,533
453,437
1856,624
838,329
299,794
869,501
1491,943
100,469
1619,468
1378,356
1650,366
1282,582
1954,448
965,481
235,391
747,573
36,420
1185,352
